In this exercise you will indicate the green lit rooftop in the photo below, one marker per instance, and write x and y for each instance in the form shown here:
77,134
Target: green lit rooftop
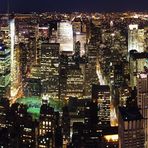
34,104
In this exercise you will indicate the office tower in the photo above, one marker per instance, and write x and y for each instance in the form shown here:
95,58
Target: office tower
141,40
5,54
138,63
91,116
146,38
136,38
21,128
133,37
16,87
65,36
81,38
33,87
77,25
131,130
5,67
66,125
75,82
24,69
33,81
142,101
101,94
43,31
118,86
53,33
5,31
47,126
59,137
50,69
91,76
118,75
4,107
28,132
63,75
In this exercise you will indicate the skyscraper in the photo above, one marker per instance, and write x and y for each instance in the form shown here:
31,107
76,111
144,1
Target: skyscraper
136,38
5,58
91,76
138,63
65,36
142,101
15,62
75,81
101,94
4,71
131,130
50,69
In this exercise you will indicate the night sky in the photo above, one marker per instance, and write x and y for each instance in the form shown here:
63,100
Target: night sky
74,5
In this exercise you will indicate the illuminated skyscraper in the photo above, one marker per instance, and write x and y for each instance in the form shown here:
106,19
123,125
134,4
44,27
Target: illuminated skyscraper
81,37
136,38
91,76
4,71
47,125
101,94
50,69
15,62
65,36
5,58
142,101
131,130
132,37
138,63
75,80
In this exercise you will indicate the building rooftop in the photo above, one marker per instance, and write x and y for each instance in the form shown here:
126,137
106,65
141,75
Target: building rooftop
100,88
137,55
130,114
33,104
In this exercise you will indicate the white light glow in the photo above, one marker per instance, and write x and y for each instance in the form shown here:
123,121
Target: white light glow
111,137
133,26
65,36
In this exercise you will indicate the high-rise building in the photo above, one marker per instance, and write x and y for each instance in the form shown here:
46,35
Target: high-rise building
50,69
136,38
15,62
81,37
138,63
5,57
66,125
65,36
5,68
75,82
131,130
101,94
46,128
142,101
91,76
63,75
5,31
4,106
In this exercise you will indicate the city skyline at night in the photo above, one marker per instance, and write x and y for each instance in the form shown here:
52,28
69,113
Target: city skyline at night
73,74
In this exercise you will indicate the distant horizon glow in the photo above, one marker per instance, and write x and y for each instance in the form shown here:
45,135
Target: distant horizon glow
69,6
